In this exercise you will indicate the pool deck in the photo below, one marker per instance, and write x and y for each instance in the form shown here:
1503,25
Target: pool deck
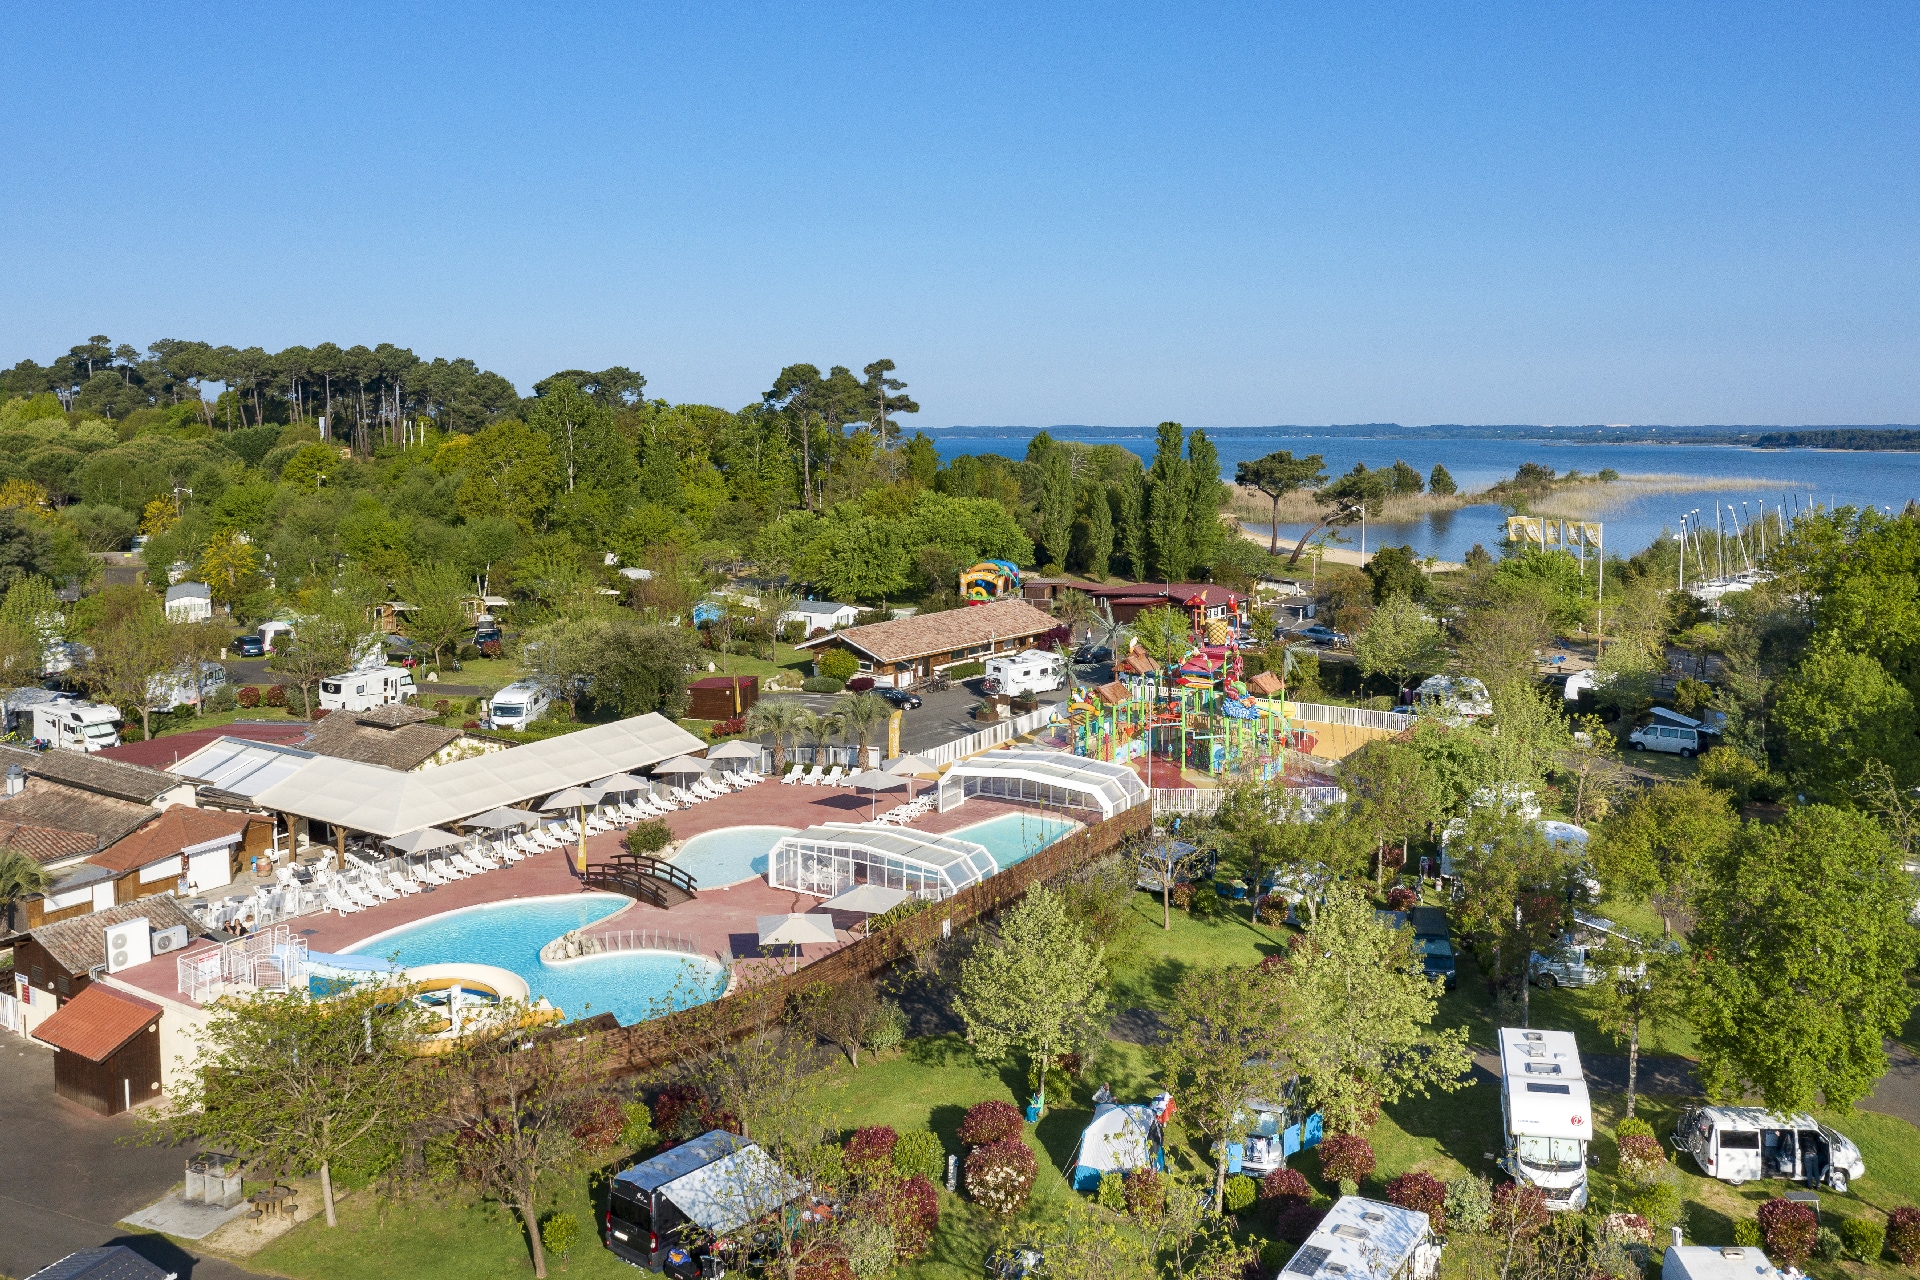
720,922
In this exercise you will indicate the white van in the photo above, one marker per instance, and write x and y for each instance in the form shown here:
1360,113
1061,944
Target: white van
1453,700
517,706
1546,1113
176,688
1746,1144
1035,671
365,690
1671,738
77,726
1571,962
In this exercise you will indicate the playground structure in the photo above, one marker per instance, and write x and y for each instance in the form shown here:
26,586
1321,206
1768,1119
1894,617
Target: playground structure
990,580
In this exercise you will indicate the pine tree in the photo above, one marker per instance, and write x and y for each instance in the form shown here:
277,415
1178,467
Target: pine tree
1441,483
1169,485
1207,496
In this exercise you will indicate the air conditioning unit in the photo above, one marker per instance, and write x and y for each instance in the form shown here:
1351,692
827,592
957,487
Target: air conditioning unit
128,944
165,940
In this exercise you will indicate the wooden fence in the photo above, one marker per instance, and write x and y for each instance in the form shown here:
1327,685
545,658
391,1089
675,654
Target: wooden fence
660,1042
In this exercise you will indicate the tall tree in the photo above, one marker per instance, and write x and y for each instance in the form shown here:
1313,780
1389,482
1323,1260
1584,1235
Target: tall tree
1278,474
1225,1045
133,645
1643,985
1037,986
1665,843
438,619
1130,519
1098,526
1207,497
1056,503
885,395
1399,640
1169,488
1804,946
1358,1011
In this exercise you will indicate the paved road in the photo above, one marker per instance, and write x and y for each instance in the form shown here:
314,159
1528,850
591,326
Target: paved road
943,718
65,1180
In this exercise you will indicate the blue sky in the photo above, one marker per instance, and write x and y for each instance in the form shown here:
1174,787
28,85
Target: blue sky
1103,214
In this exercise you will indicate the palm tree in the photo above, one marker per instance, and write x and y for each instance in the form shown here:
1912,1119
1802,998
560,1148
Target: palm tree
860,714
823,729
20,877
782,719
1076,609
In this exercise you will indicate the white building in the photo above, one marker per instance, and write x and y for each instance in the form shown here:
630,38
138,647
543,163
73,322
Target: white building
189,602
819,615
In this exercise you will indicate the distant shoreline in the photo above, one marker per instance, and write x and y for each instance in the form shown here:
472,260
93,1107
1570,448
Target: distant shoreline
1888,438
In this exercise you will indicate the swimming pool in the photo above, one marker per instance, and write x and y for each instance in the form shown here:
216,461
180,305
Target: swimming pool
632,985
716,859
1012,838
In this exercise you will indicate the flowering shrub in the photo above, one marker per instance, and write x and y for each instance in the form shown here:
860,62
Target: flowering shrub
1789,1230
1298,1222
990,1121
1421,1191
1641,1157
276,695
1401,898
1518,1207
1000,1176
727,728
1346,1157
1182,895
248,696
441,706
913,1207
490,648
1145,1193
470,724
1285,1185
1630,1227
1903,1234
870,1151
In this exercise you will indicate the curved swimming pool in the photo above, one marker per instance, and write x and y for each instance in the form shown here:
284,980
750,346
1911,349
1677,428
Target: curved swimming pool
716,859
632,985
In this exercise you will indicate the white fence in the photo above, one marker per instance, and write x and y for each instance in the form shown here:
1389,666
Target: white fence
639,940
992,736
269,960
1357,717
1199,801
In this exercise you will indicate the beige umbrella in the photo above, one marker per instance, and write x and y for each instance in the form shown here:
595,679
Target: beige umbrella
911,766
795,929
868,900
875,781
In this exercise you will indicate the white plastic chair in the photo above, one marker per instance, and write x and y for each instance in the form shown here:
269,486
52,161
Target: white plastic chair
833,777
793,775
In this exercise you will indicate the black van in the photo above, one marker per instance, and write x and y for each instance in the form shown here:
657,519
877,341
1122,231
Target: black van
643,1226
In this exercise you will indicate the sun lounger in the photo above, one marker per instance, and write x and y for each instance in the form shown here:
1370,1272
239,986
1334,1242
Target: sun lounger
370,883
813,776
793,775
426,873
504,850
465,863
479,858
833,777
401,884
336,901
446,869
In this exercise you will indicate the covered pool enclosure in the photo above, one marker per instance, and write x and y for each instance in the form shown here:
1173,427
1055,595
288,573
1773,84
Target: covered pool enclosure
830,859
1045,779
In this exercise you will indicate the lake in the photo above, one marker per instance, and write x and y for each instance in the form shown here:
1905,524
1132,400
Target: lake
1882,479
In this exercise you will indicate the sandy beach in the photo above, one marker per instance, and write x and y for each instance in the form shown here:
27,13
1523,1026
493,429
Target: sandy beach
1337,555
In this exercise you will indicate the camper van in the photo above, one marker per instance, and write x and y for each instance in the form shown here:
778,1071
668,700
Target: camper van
678,1200
1363,1239
76,726
1545,1111
1746,1144
517,706
1275,1131
176,688
1035,671
365,690
1571,962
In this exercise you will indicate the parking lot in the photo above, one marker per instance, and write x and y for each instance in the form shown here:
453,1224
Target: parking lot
945,715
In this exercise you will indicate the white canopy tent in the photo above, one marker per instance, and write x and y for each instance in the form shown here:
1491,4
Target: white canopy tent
1051,778
734,1190
422,841
503,819
384,802
830,859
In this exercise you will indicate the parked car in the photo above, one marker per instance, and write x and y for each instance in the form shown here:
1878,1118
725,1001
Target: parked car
1092,654
1744,1144
902,699
487,635
249,646
1669,738
1319,633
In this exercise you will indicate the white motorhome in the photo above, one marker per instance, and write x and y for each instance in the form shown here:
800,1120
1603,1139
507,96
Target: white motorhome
176,688
19,705
1546,1114
77,726
1363,1239
1746,1144
1454,700
517,706
365,690
1035,671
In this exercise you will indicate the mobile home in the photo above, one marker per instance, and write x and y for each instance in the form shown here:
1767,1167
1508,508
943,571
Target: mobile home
76,726
1363,1239
1546,1114
365,690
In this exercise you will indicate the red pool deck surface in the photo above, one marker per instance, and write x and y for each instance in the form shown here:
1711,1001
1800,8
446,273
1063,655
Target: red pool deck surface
720,922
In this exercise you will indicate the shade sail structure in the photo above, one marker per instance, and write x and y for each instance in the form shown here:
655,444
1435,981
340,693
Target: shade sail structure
503,819
572,798
830,859
680,765
910,765
795,929
867,899
735,750
383,802
421,841
1051,778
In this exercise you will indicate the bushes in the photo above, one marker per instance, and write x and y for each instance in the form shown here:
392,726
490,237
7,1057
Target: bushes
991,1121
1346,1157
1111,1194
837,664
1788,1230
1401,898
727,728
1241,1191
1518,1207
1423,1192
1000,1176
276,695
1298,1222
821,684
248,696
1469,1202
918,1151
559,1233
220,698
1827,1243
1903,1234
1632,1126
870,1150
1144,1192
1287,1186
1641,1157
914,1206
1659,1203
1865,1238
965,671
647,837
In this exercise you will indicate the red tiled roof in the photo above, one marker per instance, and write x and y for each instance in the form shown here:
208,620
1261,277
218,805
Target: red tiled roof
175,829
161,753
944,632
45,844
1266,684
96,1022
